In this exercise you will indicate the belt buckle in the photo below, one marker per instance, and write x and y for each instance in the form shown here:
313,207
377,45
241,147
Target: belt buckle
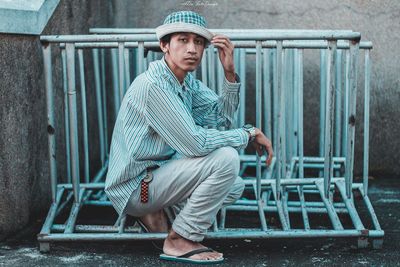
148,178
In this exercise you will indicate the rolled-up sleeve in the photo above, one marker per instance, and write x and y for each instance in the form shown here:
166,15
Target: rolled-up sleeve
212,110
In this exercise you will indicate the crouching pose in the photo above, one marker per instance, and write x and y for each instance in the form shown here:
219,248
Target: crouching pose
166,150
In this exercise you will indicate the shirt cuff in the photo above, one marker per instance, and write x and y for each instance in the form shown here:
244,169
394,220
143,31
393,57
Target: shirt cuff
244,137
232,87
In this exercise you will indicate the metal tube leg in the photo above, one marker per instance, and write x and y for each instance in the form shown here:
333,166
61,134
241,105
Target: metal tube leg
84,117
329,117
352,117
258,125
367,77
51,139
99,105
70,49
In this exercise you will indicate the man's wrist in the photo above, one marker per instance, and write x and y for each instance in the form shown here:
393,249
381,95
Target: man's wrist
230,77
251,130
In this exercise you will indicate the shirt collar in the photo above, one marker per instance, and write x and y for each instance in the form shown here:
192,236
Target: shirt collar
167,73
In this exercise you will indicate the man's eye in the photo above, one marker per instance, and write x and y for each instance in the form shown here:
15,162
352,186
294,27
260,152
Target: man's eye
183,40
199,42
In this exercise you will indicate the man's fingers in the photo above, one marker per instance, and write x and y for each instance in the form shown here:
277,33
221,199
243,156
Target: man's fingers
270,154
259,150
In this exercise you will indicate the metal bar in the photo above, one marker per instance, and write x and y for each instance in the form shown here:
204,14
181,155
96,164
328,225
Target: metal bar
329,117
79,228
371,211
204,76
231,234
279,98
121,70
140,59
275,101
285,207
367,79
288,80
303,44
337,225
294,103
346,103
267,93
321,159
100,119
103,94
292,203
256,36
279,207
73,127
121,227
127,70
66,115
152,30
46,228
271,209
351,120
323,91
70,225
350,206
220,74
222,218
114,66
84,117
242,73
300,113
211,68
338,102
259,126
282,119
51,139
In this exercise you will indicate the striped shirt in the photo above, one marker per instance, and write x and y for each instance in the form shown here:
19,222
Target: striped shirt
161,119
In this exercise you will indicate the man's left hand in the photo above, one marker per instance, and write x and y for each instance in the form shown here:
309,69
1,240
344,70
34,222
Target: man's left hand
225,52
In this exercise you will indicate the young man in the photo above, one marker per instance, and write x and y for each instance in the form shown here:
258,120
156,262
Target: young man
165,149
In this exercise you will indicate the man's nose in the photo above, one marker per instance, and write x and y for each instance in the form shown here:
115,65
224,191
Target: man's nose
191,48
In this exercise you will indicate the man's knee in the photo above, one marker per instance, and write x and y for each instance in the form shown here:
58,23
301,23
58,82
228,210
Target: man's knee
228,159
238,188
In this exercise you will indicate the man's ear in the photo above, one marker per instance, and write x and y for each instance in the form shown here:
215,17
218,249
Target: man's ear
164,47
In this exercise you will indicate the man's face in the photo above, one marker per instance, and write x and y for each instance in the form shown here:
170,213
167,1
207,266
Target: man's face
185,51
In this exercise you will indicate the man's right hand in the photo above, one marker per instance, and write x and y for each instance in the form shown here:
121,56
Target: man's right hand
260,143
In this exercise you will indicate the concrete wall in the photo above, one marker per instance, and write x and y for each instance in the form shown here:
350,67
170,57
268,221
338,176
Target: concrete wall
24,174
378,21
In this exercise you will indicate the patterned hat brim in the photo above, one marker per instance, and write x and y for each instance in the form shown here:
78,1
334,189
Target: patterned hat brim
166,29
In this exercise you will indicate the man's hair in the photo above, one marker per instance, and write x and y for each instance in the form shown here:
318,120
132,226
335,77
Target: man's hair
167,39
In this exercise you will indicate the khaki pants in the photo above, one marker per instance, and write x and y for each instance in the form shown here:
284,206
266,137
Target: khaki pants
200,185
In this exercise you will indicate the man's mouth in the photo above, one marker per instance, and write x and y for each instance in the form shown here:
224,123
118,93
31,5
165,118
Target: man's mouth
191,59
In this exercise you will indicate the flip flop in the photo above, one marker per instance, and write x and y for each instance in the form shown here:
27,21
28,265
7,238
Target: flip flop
185,257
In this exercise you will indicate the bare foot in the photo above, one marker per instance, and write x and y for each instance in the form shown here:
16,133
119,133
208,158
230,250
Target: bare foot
155,222
176,245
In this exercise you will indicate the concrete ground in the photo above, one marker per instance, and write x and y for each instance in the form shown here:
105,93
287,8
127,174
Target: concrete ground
22,249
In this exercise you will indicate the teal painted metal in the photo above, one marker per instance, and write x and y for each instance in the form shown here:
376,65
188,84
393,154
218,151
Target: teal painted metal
73,119
51,139
367,78
100,117
329,116
84,117
66,115
278,191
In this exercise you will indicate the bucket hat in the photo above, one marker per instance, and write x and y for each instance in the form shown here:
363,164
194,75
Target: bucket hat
184,21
